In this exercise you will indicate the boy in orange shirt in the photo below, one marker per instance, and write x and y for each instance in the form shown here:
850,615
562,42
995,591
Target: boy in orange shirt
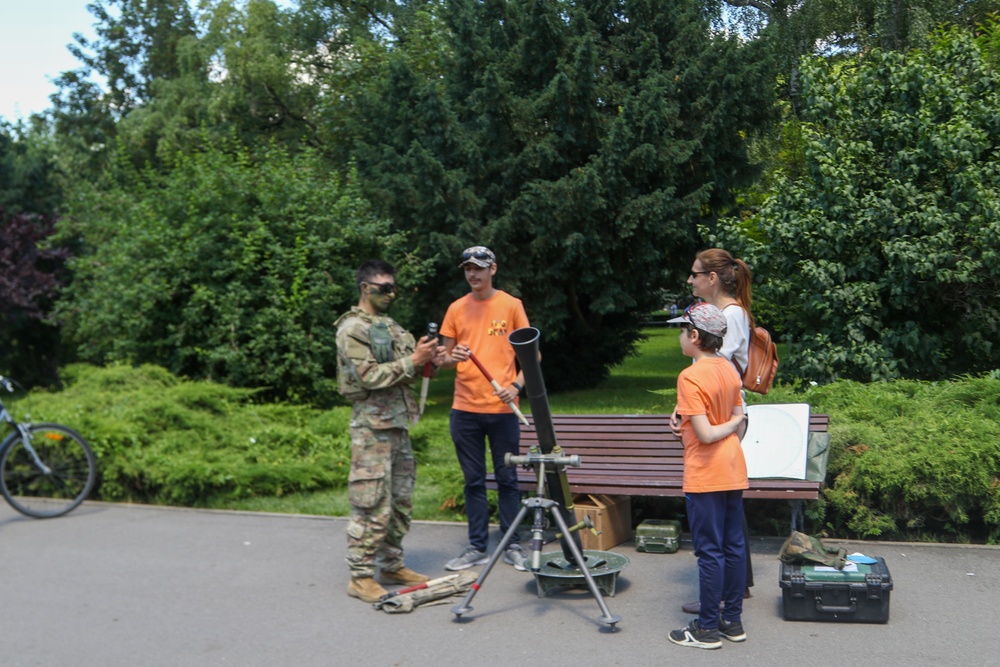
715,474
479,323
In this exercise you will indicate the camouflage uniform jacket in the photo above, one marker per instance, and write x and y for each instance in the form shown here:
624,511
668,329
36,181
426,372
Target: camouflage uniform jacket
378,391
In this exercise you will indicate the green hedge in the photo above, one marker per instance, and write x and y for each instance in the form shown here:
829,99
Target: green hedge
909,460
160,439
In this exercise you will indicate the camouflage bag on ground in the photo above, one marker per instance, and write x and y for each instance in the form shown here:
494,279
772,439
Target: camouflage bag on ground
437,592
804,549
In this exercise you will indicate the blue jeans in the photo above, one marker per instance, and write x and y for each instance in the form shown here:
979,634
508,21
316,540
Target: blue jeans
716,521
469,431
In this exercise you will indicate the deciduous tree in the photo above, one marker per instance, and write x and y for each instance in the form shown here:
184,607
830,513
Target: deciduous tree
233,264
31,273
881,260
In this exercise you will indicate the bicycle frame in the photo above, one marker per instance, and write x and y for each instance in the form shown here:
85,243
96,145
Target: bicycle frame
25,438
46,469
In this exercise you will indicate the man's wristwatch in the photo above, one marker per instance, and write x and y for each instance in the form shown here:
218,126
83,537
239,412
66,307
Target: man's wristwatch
519,387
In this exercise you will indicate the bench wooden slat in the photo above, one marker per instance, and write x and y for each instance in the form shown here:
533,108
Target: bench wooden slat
638,455
638,422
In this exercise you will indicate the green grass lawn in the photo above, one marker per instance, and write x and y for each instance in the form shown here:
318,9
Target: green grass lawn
645,383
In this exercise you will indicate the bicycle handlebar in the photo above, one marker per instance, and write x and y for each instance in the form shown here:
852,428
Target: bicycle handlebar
6,383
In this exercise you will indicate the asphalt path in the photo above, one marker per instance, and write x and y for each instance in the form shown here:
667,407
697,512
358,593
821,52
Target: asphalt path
130,585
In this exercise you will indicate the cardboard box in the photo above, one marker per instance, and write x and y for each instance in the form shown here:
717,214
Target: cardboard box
612,517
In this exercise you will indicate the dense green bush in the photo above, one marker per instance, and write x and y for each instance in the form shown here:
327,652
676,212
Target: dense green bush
910,460
160,439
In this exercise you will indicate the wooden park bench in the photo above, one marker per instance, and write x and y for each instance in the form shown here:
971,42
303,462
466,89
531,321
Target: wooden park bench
638,455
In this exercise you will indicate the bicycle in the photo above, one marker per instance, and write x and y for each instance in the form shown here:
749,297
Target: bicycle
46,470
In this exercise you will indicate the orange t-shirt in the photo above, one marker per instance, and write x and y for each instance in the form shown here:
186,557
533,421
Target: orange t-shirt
710,387
483,326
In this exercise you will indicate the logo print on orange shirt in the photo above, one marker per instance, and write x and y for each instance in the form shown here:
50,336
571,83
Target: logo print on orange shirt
498,328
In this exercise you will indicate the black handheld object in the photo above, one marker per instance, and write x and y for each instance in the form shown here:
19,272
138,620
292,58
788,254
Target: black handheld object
432,334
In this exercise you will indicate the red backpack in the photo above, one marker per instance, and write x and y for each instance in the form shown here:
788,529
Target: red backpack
762,362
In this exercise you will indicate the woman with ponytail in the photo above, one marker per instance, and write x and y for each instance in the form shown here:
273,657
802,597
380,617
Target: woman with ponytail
724,281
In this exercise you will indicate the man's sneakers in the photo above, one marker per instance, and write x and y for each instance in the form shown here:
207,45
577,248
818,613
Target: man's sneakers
696,636
404,576
514,555
471,556
365,589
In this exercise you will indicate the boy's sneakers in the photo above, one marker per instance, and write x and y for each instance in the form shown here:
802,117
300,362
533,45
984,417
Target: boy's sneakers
732,630
471,556
696,636
514,555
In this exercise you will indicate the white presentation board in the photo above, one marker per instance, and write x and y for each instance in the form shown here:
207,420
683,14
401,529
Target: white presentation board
777,440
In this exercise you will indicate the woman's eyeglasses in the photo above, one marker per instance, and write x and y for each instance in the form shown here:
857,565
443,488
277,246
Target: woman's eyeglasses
694,274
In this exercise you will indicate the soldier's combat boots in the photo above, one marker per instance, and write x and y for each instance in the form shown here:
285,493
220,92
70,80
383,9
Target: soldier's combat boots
365,589
404,576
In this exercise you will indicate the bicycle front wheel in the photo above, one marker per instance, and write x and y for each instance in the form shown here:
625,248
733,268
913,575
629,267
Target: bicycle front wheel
49,476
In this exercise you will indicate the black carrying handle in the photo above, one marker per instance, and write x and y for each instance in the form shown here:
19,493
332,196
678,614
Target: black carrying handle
830,609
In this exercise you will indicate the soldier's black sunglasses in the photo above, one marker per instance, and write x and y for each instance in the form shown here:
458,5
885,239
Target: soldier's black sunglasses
384,288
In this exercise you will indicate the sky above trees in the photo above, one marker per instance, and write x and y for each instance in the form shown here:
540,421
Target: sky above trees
33,40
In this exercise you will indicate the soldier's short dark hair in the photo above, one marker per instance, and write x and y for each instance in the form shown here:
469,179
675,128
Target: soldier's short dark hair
372,268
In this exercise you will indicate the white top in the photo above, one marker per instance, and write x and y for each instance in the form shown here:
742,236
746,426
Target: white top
736,344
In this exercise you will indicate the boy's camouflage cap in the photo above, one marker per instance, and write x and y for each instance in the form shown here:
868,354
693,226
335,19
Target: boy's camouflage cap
703,316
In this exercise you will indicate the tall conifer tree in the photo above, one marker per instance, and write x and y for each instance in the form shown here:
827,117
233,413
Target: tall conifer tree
584,142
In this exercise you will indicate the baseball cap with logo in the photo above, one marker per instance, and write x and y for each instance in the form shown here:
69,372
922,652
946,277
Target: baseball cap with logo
703,316
478,255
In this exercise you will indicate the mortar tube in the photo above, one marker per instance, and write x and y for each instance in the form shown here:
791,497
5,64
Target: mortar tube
525,343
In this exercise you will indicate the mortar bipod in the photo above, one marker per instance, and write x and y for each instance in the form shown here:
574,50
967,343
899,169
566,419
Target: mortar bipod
538,505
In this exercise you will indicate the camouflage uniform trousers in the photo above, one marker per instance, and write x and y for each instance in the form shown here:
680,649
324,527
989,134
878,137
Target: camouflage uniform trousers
383,473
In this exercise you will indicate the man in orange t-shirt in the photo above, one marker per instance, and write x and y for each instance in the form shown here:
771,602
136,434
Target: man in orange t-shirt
715,474
479,323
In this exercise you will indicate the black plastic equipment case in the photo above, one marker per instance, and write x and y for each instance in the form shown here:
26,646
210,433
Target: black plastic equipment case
809,594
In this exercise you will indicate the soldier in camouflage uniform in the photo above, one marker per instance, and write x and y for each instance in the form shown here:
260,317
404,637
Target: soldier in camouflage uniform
376,362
